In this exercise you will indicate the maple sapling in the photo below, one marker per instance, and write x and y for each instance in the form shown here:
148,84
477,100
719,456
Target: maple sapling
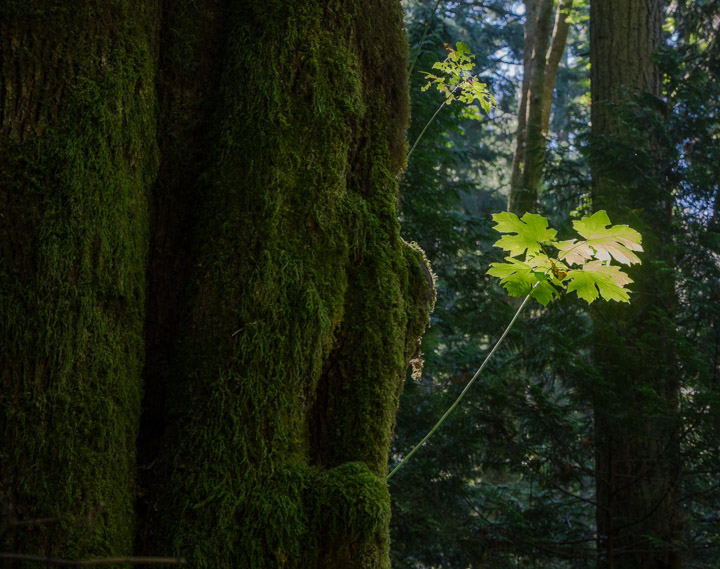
581,265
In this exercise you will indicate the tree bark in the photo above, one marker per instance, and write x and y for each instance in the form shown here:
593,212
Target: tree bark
637,456
280,306
78,155
540,64
558,40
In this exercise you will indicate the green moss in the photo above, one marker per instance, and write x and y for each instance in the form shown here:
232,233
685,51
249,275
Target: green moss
76,161
350,501
304,305
350,509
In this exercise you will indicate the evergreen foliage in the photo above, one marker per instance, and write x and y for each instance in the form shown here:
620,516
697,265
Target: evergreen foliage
510,479
691,64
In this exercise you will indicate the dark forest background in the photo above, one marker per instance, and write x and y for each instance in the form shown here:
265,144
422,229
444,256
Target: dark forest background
511,479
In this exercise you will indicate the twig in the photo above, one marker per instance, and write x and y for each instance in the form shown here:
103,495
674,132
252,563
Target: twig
90,562
440,108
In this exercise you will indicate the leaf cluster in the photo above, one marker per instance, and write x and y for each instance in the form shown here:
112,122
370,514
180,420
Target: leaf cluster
580,265
457,82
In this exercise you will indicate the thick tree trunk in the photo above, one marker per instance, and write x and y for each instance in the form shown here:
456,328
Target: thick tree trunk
636,399
77,160
540,64
281,304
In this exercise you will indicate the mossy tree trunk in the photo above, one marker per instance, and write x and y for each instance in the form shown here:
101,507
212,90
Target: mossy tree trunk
224,175
636,397
78,156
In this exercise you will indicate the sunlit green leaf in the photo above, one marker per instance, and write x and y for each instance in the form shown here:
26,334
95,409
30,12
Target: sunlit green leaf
543,277
599,278
520,277
601,242
457,83
544,293
530,232
463,48
516,276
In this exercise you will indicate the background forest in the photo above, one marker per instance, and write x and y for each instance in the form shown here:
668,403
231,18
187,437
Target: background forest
516,477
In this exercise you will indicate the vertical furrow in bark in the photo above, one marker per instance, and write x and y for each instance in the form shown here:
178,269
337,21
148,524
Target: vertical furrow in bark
191,43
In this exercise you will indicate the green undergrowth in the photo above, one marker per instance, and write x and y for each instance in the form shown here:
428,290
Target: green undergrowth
74,176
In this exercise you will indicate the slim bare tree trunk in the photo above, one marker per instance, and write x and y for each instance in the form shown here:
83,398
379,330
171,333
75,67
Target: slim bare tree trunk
540,64
553,58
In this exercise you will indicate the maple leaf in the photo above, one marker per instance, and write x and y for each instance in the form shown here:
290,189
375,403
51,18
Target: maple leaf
599,279
544,292
516,276
543,277
530,233
521,278
601,242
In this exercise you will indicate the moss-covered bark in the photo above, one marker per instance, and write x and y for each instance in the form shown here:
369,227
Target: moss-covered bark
248,151
77,156
304,304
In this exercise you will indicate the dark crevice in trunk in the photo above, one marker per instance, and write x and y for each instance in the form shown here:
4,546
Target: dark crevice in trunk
186,89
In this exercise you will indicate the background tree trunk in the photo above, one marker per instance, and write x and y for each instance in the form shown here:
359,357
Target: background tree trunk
634,348
281,304
540,64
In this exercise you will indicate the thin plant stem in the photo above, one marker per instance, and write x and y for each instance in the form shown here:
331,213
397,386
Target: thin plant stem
467,387
440,108
432,118
422,39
